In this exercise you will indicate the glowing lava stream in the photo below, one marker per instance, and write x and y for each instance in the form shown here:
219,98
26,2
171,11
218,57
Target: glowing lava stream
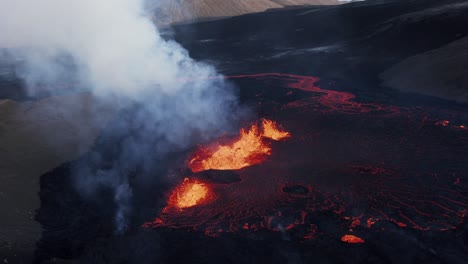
249,149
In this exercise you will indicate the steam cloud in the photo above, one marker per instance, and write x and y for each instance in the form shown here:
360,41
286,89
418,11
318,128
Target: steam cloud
114,49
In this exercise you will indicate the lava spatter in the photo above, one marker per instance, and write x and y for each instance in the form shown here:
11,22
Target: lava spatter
271,130
188,194
247,150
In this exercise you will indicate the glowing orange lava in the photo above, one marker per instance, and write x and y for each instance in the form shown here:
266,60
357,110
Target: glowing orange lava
271,130
188,194
249,149
352,239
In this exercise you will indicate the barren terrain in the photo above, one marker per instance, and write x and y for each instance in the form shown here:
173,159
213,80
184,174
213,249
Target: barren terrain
170,11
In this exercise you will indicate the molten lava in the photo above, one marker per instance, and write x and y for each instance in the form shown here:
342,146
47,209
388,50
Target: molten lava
188,194
270,130
249,149
352,239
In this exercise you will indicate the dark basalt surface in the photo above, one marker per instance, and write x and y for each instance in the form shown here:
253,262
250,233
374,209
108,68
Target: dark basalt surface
218,176
381,151
295,189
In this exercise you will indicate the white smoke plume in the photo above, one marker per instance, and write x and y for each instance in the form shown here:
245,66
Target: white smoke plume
115,45
112,48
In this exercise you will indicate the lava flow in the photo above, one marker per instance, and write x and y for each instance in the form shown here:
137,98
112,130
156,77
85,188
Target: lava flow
189,194
353,165
249,149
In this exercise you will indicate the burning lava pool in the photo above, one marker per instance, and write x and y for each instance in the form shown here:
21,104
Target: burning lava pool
330,164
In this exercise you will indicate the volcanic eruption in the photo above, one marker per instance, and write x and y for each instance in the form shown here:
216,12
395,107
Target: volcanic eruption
314,171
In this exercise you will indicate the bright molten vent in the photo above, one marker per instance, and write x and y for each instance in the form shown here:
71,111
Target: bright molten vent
249,149
188,194
271,130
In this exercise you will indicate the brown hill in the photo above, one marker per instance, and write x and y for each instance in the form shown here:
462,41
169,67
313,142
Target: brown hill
173,11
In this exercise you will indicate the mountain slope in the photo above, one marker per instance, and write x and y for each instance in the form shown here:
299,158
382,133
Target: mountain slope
440,72
171,11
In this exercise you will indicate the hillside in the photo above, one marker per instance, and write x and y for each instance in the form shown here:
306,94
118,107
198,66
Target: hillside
440,72
173,11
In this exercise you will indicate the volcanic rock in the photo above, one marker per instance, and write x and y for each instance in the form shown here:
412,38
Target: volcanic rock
219,176
295,189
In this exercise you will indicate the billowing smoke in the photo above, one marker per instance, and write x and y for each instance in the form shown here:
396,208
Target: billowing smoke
112,48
